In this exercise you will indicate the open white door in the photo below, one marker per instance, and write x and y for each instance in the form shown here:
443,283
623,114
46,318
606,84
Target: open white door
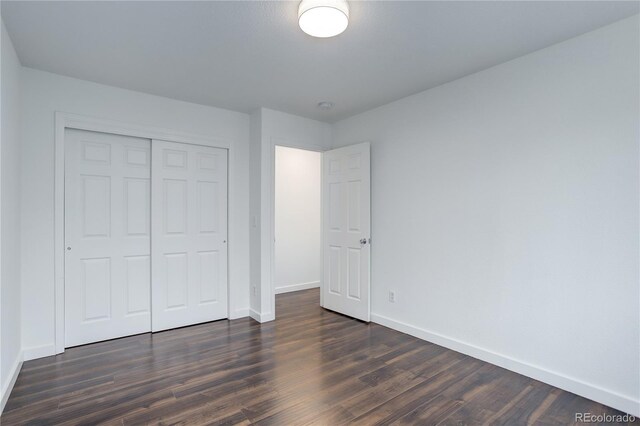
189,229
346,223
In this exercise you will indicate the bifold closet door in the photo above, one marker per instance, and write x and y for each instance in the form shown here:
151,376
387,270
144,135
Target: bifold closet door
107,226
189,228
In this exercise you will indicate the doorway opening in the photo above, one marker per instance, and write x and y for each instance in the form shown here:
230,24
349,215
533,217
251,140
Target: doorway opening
298,223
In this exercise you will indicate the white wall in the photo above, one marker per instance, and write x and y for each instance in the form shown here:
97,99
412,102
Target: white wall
45,93
271,128
10,339
297,219
506,214
255,185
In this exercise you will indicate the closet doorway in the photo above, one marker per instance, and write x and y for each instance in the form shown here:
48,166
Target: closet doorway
145,235
297,220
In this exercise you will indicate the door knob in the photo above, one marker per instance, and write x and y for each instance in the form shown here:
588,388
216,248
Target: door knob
68,248
363,241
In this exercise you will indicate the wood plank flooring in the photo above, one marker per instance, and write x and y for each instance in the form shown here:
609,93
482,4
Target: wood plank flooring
310,366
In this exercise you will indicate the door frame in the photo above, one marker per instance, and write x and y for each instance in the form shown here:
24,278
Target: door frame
64,121
270,255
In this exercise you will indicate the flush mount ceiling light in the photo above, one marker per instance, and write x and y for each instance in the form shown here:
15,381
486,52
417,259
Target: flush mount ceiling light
323,18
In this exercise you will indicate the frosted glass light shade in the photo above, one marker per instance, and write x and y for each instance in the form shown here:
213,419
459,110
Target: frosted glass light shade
323,18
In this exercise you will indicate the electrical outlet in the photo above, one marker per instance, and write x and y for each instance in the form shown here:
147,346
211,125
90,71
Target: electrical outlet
392,296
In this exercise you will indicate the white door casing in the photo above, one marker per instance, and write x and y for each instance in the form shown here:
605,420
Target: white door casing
346,222
107,236
189,228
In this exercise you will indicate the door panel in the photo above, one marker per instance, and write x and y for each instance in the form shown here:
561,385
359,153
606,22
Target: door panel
189,225
107,219
346,229
138,280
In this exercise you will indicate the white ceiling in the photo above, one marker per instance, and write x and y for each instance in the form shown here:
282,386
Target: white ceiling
243,55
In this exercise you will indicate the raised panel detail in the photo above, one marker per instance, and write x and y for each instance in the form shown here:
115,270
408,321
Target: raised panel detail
176,280
354,162
353,283
96,206
335,286
174,159
96,289
95,152
175,206
136,197
208,268
207,162
207,193
335,222
354,200
334,166
137,157
138,284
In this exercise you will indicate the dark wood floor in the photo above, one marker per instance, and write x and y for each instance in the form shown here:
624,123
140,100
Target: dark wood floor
310,366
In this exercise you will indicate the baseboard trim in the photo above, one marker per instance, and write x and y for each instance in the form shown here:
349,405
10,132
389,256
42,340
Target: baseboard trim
297,287
266,317
8,387
604,396
36,352
239,313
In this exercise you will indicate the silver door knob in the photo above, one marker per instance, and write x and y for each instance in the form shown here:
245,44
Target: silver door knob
68,248
363,241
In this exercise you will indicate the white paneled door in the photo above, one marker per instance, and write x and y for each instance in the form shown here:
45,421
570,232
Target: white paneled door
189,228
107,236
346,222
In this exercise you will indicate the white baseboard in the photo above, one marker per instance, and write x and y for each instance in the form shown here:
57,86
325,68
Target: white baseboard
297,287
265,317
8,386
604,396
35,352
239,313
